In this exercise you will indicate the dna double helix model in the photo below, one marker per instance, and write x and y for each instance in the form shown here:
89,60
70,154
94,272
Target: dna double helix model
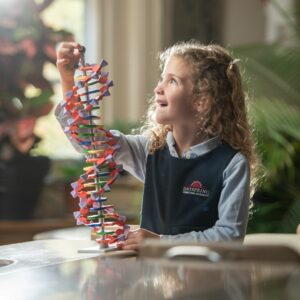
82,104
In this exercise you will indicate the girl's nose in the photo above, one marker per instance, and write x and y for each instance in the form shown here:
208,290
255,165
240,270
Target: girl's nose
158,89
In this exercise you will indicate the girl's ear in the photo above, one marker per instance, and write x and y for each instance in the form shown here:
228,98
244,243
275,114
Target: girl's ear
202,104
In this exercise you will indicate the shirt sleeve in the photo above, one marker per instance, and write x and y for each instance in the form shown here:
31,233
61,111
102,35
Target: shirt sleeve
62,117
132,153
233,207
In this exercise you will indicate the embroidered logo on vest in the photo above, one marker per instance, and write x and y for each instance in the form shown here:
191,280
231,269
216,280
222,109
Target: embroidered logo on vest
196,188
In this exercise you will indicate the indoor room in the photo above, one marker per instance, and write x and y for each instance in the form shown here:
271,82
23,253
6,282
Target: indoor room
145,144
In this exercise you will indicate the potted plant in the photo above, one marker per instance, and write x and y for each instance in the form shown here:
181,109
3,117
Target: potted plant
274,76
26,45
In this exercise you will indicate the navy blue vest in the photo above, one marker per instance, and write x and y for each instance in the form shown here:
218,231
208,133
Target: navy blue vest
182,195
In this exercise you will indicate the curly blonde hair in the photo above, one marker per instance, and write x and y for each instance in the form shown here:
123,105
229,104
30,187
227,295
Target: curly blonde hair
216,76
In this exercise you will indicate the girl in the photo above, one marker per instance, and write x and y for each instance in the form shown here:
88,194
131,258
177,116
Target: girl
195,153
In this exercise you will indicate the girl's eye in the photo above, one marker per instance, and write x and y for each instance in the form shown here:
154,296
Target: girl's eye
173,81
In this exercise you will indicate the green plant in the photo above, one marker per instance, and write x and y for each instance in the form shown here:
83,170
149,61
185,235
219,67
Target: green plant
274,75
123,126
71,171
27,44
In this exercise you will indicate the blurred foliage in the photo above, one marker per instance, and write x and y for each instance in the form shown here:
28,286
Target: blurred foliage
273,84
123,126
27,44
71,170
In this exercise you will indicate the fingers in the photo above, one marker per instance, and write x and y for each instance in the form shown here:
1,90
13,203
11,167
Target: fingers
133,240
133,233
130,247
69,50
136,237
68,55
62,62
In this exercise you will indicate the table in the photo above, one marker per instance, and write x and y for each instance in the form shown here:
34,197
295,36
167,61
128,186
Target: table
72,233
16,231
52,269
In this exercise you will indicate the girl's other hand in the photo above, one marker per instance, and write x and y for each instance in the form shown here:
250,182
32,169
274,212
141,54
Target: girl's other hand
136,237
68,55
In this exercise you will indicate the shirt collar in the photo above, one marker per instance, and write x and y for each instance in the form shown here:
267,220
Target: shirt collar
194,151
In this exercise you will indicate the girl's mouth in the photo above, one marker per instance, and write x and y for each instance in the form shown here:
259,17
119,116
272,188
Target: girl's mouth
161,103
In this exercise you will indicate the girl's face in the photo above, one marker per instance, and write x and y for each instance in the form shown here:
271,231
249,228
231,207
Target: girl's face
174,94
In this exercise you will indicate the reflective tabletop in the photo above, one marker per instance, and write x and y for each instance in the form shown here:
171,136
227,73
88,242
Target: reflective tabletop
54,270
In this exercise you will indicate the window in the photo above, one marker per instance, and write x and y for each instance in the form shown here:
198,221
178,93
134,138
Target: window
68,15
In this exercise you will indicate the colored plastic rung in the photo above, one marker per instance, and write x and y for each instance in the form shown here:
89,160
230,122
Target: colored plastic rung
103,174
88,93
102,216
110,219
91,126
93,209
91,184
90,134
93,82
86,151
98,198
104,232
95,217
94,224
96,192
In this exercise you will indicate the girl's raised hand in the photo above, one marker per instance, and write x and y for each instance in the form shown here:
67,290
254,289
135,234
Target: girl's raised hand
68,55
136,237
